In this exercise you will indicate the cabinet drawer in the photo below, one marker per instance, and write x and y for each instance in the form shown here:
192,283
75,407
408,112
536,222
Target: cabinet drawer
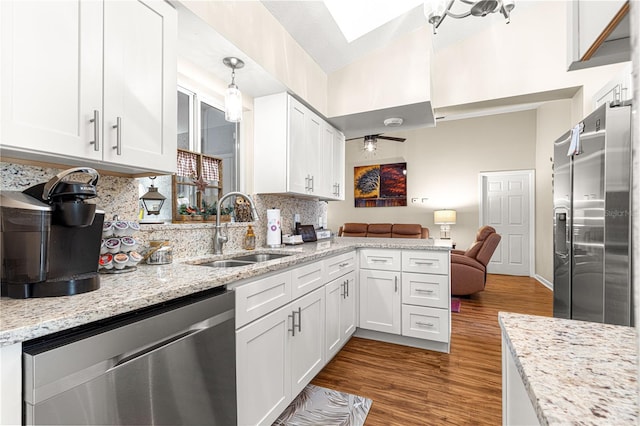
424,261
262,296
337,266
425,290
425,323
307,278
384,260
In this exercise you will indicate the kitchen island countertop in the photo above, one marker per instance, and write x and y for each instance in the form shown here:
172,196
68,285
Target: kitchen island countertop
575,372
25,319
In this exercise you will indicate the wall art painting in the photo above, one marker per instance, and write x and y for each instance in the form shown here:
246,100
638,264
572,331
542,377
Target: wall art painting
380,185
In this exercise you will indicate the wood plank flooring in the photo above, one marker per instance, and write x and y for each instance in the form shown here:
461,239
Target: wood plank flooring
412,386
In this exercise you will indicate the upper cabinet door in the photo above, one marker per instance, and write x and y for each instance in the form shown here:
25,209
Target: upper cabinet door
140,83
338,166
298,174
51,66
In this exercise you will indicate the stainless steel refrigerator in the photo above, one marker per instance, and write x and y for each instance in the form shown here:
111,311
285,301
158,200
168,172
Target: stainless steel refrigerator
592,219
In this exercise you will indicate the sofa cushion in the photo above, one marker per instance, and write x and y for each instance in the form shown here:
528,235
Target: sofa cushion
354,230
406,230
379,230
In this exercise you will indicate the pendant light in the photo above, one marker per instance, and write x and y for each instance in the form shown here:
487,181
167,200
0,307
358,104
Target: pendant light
232,96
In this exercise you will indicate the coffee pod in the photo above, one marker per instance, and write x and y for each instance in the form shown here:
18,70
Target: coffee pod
120,260
106,261
107,229
133,228
134,258
120,228
128,244
113,245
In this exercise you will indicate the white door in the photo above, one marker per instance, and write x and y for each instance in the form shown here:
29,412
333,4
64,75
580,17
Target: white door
263,368
507,205
338,165
298,173
380,301
307,349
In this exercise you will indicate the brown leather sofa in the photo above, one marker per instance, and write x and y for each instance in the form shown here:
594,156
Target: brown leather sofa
469,268
383,230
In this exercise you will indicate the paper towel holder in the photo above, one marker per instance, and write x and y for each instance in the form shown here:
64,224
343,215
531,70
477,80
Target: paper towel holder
308,233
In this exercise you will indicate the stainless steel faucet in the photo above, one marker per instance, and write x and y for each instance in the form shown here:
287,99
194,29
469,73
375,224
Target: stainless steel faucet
219,238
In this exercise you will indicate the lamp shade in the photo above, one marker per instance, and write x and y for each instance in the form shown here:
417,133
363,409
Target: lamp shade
444,217
233,104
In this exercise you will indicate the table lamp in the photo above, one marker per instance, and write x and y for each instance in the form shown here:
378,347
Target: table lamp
444,218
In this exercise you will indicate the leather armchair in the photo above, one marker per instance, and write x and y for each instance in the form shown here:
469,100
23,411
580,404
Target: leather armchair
469,268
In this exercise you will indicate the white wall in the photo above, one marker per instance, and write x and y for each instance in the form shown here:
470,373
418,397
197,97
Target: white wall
553,120
443,164
529,55
252,29
395,75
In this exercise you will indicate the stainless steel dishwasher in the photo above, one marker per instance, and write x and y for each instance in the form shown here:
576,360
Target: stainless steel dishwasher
168,364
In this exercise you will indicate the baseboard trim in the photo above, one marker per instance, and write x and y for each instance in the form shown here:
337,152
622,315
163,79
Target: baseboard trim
544,282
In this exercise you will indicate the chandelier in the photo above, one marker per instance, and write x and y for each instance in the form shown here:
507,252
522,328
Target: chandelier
436,10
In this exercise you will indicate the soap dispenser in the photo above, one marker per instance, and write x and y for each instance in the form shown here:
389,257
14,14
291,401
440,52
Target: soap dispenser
249,239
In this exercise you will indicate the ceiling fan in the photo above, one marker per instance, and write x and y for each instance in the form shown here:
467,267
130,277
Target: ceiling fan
370,141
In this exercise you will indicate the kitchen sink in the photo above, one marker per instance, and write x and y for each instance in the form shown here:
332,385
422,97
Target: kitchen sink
226,263
247,259
260,257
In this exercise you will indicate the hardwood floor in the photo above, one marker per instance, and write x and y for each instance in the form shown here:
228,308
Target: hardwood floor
412,386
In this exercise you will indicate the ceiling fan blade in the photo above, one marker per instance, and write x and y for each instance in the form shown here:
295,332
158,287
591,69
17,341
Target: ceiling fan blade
391,138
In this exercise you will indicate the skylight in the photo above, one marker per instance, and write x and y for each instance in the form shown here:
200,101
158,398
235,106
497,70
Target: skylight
356,18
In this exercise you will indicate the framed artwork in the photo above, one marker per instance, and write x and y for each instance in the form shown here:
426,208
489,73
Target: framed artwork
380,185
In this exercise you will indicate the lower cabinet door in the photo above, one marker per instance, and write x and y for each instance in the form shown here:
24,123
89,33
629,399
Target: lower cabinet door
306,342
263,368
380,301
348,307
333,305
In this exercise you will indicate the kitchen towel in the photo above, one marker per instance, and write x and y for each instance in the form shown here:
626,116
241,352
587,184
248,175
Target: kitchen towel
274,234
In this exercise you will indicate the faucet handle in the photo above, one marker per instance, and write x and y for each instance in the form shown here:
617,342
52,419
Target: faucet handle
224,236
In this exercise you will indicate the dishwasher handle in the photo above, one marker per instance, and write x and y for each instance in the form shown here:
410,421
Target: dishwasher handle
128,357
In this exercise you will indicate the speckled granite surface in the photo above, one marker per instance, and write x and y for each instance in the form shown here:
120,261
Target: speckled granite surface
22,320
575,372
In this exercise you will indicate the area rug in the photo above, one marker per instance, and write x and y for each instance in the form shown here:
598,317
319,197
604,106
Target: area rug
455,304
316,405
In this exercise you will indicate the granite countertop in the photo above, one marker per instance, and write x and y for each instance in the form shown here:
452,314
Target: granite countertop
575,372
24,319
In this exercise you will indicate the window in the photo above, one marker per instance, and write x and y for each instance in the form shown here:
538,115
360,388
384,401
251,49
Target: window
207,157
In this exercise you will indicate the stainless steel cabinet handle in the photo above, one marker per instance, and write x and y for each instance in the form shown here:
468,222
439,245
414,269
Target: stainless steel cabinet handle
377,260
346,283
342,265
118,145
425,324
344,291
293,323
300,319
96,130
417,262
396,283
422,290
312,183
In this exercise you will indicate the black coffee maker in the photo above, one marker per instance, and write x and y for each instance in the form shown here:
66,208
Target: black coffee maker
50,237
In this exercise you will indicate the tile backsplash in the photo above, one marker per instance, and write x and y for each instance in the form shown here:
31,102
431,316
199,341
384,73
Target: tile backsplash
120,195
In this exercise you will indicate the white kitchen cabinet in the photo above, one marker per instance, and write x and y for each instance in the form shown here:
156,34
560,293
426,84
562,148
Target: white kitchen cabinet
306,339
261,297
289,151
11,384
405,297
517,408
277,356
338,167
263,368
380,301
340,302
71,71
307,278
